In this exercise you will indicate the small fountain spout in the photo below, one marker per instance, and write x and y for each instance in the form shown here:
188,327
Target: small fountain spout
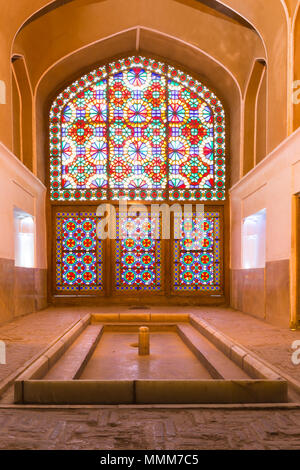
144,346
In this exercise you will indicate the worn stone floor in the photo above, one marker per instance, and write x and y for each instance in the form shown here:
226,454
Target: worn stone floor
26,336
155,429
152,428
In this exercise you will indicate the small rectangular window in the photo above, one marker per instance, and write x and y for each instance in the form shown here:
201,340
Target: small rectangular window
254,240
24,239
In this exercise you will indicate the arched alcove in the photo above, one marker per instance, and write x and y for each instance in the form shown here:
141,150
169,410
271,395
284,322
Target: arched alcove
154,43
110,28
22,112
255,117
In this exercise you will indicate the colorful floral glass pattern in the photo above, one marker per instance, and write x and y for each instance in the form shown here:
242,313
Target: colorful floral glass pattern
190,146
78,253
138,129
84,141
138,254
197,253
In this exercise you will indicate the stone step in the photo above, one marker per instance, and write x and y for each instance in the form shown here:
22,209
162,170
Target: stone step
218,365
72,363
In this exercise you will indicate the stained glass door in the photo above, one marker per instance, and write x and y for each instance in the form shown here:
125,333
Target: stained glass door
138,254
198,253
79,253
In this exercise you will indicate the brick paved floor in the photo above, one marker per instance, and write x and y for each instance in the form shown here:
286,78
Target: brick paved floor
271,343
164,429
26,336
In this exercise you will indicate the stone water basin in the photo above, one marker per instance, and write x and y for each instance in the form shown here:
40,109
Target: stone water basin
97,362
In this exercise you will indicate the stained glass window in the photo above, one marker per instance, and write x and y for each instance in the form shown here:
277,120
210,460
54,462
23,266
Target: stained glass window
138,253
84,142
78,252
139,129
197,254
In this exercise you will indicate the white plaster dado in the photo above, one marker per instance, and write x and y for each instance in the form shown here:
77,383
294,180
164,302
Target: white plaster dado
14,166
286,154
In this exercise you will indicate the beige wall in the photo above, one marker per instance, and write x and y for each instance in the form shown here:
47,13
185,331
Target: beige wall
22,290
296,61
20,188
271,185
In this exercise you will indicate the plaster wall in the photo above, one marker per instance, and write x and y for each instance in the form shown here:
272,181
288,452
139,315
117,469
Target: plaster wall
22,290
270,185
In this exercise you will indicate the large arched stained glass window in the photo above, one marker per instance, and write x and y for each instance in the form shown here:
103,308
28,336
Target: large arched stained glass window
137,129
